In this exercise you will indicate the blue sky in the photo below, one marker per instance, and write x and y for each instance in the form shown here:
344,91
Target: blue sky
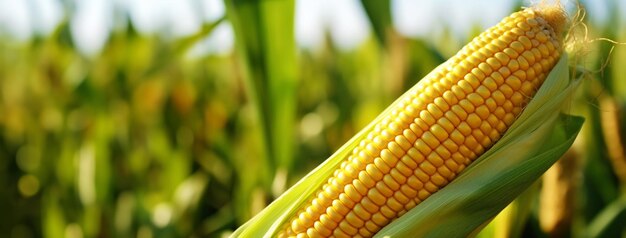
344,19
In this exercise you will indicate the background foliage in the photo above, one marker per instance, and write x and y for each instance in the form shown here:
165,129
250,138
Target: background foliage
143,140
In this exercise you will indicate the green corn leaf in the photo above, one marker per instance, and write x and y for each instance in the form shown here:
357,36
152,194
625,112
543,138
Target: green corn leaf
379,14
610,220
266,47
532,144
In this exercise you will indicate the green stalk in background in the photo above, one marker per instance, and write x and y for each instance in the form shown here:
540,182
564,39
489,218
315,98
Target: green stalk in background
379,14
266,46
599,179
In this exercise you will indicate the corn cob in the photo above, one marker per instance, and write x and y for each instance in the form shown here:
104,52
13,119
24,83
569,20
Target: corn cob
438,128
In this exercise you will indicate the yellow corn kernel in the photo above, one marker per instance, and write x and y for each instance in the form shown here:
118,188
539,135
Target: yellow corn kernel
444,123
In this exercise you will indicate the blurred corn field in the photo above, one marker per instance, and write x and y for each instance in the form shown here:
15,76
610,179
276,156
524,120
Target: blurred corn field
146,138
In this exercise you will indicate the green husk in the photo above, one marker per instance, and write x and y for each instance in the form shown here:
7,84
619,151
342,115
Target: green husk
531,145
